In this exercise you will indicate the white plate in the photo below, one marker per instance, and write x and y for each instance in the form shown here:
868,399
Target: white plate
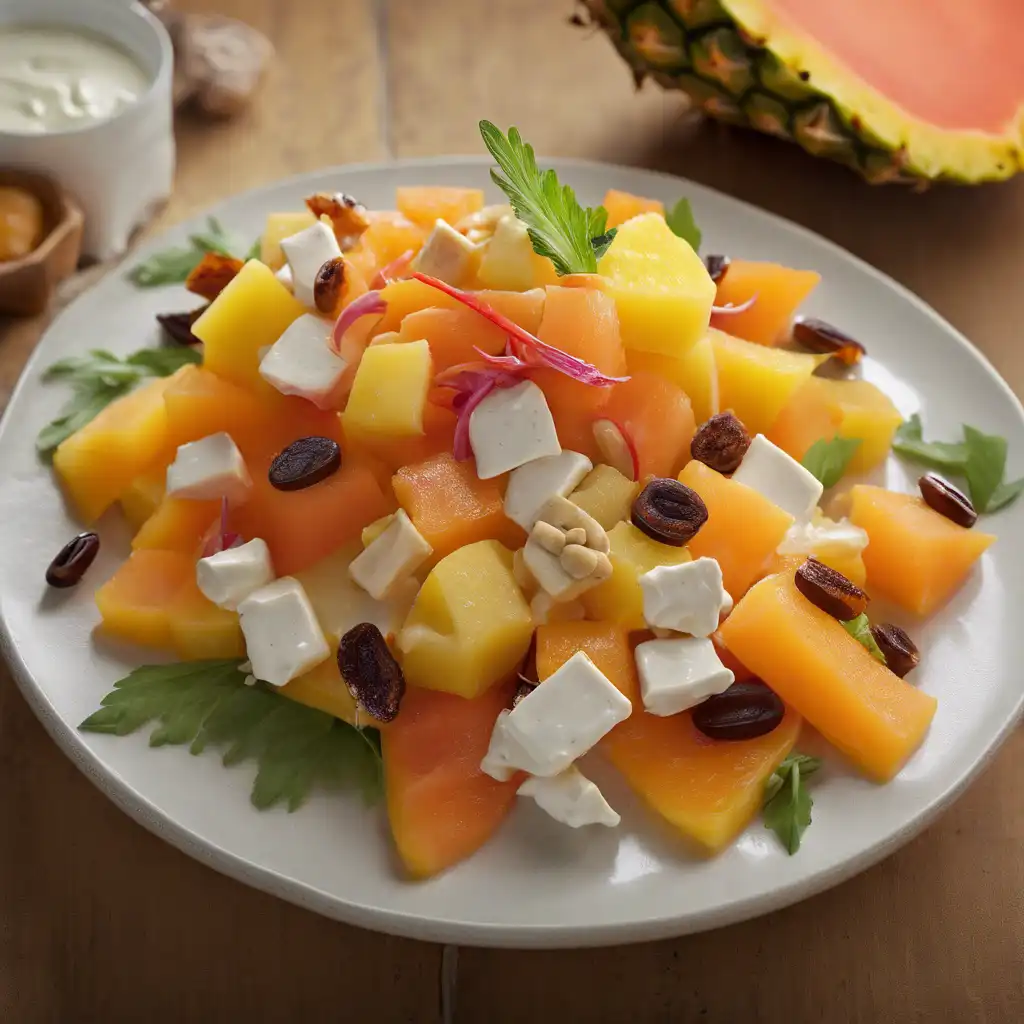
537,883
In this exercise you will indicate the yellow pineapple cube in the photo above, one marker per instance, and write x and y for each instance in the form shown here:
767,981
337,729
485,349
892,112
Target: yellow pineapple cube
139,501
509,262
619,598
281,226
389,391
605,494
250,314
469,626
695,372
660,285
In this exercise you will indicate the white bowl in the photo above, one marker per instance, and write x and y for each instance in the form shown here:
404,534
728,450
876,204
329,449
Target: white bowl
119,169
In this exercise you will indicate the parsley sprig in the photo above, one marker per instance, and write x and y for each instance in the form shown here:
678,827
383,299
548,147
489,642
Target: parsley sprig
206,703
787,803
174,264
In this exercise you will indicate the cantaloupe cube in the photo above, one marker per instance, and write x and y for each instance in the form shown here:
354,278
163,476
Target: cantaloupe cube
142,496
743,528
915,556
757,382
707,789
389,236
470,624
324,689
779,291
816,667
251,313
619,598
660,286
281,226
623,206
200,403
199,629
696,373
850,565
389,393
178,524
606,495
424,204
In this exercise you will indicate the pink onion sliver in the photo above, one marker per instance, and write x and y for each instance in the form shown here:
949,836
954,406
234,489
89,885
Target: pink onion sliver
731,309
366,305
461,448
509,362
393,270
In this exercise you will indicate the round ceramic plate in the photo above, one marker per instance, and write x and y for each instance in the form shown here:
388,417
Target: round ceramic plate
537,883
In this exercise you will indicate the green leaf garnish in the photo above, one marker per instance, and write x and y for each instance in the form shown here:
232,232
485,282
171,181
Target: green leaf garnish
942,455
98,378
827,460
680,220
986,464
860,629
173,265
1005,494
255,250
787,803
573,237
206,703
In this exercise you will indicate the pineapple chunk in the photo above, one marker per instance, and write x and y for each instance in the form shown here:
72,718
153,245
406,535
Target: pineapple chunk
696,373
606,495
389,391
619,598
509,262
446,255
279,226
470,624
660,286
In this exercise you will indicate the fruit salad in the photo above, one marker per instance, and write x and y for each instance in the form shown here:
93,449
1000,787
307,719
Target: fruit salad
474,491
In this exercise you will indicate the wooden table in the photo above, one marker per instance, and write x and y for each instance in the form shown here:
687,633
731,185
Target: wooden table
100,921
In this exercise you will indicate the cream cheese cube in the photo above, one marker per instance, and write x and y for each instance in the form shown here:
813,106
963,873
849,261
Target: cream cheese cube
680,673
301,362
209,468
570,798
391,557
823,536
446,254
530,486
767,469
511,427
306,253
284,275
688,597
283,638
228,577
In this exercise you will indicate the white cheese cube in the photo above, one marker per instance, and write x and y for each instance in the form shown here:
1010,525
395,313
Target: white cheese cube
306,253
446,254
530,486
228,577
688,597
511,427
284,275
211,467
390,558
549,574
301,362
823,536
558,722
680,673
570,798
767,469
283,638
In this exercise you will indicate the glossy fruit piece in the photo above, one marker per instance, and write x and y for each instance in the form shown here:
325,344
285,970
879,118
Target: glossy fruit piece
816,667
441,807
425,204
469,626
324,689
178,524
623,206
743,528
740,671
915,556
822,408
451,506
389,392
696,373
606,495
97,463
779,291
757,382
709,790
584,323
389,236
142,496
199,629
850,565
251,313
200,403
279,227
394,452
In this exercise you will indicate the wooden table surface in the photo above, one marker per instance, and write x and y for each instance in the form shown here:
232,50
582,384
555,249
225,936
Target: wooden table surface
101,921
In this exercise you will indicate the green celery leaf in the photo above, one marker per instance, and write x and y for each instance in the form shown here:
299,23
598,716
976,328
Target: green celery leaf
1005,494
827,460
860,629
215,239
787,803
908,442
986,464
680,219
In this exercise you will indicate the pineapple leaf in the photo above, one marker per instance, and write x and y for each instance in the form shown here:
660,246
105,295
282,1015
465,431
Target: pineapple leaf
572,236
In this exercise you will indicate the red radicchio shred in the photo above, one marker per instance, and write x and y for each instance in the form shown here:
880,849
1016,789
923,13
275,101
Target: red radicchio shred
221,538
370,304
393,270
730,308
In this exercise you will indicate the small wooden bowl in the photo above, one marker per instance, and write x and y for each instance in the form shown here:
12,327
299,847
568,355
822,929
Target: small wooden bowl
27,284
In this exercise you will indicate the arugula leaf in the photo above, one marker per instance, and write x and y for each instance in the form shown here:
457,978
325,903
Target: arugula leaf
908,442
573,237
827,460
860,629
173,265
255,250
787,803
986,464
97,379
1005,494
206,703
680,220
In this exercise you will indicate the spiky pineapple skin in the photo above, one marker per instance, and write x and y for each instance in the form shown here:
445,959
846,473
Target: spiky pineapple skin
711,51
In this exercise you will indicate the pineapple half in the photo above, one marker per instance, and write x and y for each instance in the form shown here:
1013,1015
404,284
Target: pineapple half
899,90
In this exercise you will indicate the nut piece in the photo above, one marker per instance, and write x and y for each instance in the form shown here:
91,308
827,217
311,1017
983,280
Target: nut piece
830,591
819,336
566,552
577,535
370,671
550,538
669,512
901,653
478,227
717,267
346,214
565,515
330,286
603,569
945,499
743,712
614,448
721,443
212,274
579,562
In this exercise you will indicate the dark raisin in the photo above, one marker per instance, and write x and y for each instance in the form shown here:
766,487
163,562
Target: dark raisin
669,511
942,496
830,591
305,462
743,712
68,568
717,267
329,285
371,673
721,443
819,336
178,326
901,653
